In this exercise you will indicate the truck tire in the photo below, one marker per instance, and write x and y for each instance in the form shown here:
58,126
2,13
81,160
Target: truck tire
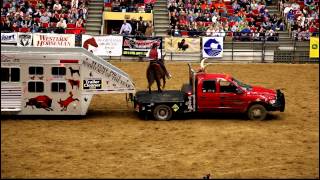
162,113
257,112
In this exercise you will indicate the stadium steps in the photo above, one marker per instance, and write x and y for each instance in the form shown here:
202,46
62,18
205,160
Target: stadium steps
160,18
95,15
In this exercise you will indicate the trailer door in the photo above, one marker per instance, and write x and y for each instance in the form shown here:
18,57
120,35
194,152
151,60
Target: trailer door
11,88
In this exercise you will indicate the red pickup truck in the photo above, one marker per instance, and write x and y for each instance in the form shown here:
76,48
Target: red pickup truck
209,92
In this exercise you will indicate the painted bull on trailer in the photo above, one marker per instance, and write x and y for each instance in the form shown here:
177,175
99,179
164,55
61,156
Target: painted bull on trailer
40,102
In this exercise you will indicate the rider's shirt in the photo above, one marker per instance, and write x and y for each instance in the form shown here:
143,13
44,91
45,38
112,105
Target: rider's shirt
154,54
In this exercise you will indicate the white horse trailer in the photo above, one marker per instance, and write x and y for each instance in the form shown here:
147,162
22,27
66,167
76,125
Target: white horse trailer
56,81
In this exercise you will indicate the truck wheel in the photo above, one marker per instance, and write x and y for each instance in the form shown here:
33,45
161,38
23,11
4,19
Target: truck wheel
162,113
257,112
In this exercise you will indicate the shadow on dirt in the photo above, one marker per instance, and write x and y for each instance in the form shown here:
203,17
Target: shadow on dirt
210,116
42,117
132,114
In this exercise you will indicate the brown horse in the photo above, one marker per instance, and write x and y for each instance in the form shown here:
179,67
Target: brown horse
155,73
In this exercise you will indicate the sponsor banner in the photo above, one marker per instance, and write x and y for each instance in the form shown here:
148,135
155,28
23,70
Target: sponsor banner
24,39
103,45
182,45
212,47
9,37
139,46
53,40
92,84
314,47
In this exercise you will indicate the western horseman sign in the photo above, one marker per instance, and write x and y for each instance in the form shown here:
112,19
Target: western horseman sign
53,40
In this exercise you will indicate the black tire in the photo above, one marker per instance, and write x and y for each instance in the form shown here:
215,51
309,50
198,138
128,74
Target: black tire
162,113
257,112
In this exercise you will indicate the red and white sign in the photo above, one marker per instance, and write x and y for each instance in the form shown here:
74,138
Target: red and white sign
53,40
103,45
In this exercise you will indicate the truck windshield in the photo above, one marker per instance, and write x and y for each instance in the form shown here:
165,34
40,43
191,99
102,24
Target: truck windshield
243,85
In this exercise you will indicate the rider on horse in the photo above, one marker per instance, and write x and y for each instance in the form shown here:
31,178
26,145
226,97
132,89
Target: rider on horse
155,57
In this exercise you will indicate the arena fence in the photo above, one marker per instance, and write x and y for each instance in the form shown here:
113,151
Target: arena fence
236,48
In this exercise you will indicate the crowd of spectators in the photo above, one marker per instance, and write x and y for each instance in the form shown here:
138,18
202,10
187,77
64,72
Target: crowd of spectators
137,6
240,19
52,16
302,17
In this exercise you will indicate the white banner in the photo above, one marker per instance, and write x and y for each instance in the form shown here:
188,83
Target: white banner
53,40
24,39
8,37
212,47
103,45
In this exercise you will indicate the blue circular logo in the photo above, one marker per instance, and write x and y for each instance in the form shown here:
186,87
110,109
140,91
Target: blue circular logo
212,47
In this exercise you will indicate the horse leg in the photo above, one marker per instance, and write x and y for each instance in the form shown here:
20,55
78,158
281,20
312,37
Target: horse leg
164,82
158,85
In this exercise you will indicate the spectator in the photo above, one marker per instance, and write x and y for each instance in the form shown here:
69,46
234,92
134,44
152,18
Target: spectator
141,27
79,23
45,18
125,28
61,26
57,6
35,27
210,31
149,29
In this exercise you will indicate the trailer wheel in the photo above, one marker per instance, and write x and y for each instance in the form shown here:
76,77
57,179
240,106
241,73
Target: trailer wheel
162,113
257,112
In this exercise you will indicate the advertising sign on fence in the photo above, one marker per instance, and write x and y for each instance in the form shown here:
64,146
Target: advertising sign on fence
9,38
103,45
24,39
212,47
182,45
138,46
53,40
314,47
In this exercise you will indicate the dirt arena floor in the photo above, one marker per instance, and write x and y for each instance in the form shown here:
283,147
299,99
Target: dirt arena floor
112,142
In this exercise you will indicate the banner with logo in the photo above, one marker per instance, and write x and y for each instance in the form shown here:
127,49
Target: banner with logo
212,47
139,46
182,45
24,39
53,40
314,47
9,38
103,45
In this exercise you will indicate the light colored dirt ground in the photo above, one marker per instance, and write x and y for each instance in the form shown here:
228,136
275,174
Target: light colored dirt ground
112,142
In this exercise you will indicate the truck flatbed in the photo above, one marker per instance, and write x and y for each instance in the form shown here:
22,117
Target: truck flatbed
168,96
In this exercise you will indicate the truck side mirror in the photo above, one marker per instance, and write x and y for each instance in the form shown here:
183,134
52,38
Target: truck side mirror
239,91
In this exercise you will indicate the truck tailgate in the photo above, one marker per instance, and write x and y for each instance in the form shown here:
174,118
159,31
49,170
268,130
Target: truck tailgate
168,96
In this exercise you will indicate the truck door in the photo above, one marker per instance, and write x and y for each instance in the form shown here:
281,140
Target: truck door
208,98
231,101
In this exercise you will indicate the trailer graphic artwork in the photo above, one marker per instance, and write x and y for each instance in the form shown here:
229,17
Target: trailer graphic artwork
74,83
40,102
72,71
65,103
92,84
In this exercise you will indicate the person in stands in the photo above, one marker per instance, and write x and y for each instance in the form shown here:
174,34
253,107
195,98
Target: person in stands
125,28
155,55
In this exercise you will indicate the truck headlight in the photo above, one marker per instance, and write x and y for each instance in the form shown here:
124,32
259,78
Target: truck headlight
272,101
